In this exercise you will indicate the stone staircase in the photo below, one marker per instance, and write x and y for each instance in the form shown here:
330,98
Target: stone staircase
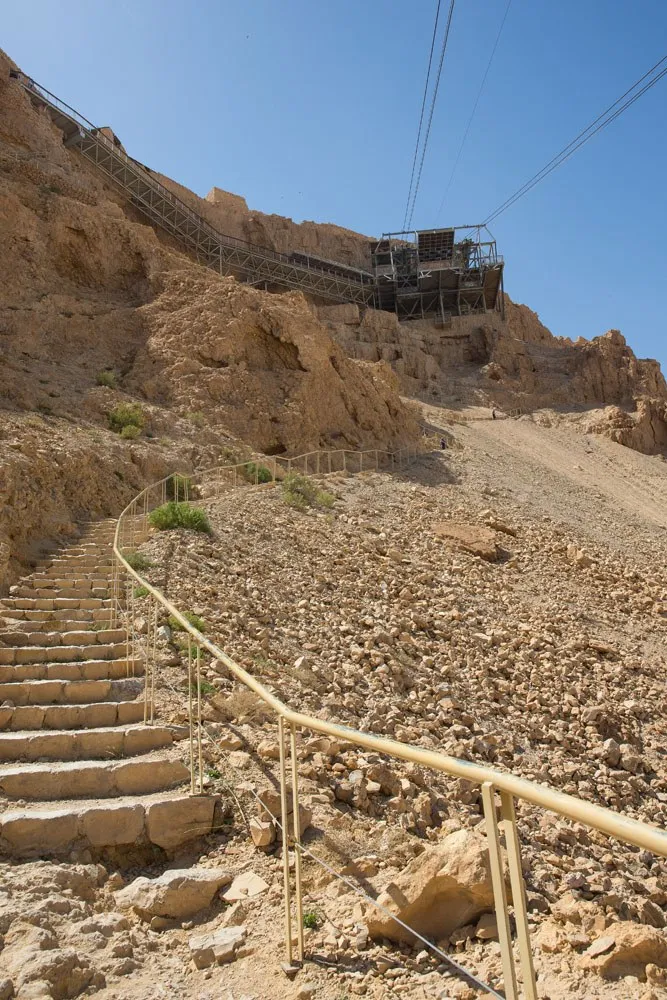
79,771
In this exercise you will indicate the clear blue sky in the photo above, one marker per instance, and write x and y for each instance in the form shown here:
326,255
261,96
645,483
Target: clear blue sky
309,109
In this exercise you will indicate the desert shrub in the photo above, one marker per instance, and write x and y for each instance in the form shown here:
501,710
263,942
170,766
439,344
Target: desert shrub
179,515
197,418
126,415
311,919
241,705
179,485
194,620
301,492
141,591
137,561
205,687
253,469
325,499
107,378
130,432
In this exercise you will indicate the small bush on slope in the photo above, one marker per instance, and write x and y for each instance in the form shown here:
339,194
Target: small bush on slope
179,515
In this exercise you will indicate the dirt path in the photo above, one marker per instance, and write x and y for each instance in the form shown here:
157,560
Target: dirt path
611,494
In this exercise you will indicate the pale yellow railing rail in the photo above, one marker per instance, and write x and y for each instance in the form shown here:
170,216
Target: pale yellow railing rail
132,528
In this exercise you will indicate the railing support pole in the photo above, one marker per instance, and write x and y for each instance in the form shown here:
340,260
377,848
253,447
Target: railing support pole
518,895
297,840
147,664
192,748
154,657
285,832
499,891
199,739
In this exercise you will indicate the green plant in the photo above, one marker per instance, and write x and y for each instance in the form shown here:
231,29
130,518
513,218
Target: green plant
205,687
311,919
130,432
137,561
301,492
140,591
194,620
197,418
107,378
255,472
126,415
212,772
325,499
179,487
179,515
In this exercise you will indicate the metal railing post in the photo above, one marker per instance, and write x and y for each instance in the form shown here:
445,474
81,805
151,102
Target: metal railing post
192,748
499,891
199,739
154,659
297,840
518,894
285,831
147,666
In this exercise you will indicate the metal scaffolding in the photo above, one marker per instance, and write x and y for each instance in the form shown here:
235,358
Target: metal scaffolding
416,274
225,254
431,272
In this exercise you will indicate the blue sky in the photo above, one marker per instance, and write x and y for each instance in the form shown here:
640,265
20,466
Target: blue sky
309,108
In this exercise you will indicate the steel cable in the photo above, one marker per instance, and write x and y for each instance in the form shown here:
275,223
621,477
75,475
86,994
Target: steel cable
443,49
474,109
421,115
601,122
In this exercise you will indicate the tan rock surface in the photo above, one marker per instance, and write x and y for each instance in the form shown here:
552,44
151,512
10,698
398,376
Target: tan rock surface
176,893
447,886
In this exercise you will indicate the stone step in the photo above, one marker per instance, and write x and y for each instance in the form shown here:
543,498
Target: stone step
166,820
76,617
86,670
55,603
102,714
86,744
62,654
65,692
57,586
69,624
69,573
92,779
85,637
49,593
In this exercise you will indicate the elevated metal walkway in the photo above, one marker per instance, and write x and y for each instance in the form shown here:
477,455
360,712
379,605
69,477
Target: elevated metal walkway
225,254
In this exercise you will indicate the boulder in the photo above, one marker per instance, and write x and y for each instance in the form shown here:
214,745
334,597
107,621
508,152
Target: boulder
473,538
447,886
216,948
626,949
175,894
245,886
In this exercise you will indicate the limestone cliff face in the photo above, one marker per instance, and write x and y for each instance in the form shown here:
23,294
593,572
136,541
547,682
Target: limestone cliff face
513,363
229,214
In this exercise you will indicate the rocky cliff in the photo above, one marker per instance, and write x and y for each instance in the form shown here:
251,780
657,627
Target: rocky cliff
514,362
97,310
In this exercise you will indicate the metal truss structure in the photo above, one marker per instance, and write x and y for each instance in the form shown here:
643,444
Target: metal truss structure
432,273
416,274
225,254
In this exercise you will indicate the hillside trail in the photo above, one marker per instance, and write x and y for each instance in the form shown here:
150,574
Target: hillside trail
613,495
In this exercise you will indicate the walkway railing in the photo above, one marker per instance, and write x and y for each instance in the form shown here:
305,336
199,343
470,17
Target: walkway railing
499,790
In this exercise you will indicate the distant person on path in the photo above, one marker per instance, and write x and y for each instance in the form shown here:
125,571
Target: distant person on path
493,414
443,444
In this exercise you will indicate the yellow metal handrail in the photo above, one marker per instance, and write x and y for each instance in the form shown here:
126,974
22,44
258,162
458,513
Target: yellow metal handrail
508,786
